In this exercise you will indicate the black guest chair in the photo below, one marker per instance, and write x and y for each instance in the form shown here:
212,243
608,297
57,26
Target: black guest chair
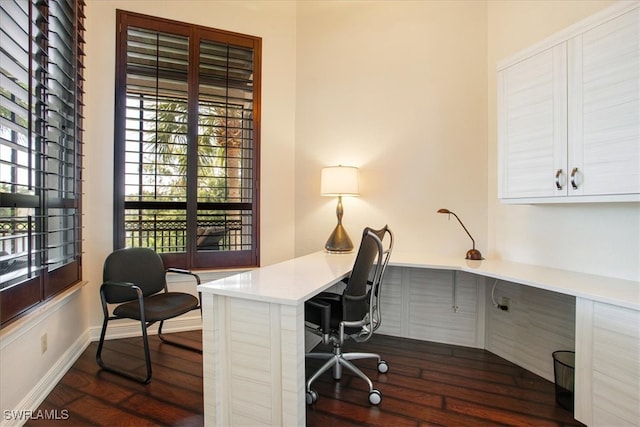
354,314
135,279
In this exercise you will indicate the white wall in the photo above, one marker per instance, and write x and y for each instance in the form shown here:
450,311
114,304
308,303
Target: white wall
27,371
399,90
600,239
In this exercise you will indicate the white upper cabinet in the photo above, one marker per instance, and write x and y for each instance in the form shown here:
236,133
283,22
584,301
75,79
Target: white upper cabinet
569,114
604,136
532,106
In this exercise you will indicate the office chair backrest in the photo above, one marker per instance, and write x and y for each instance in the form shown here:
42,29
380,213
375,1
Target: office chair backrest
367,270
141,266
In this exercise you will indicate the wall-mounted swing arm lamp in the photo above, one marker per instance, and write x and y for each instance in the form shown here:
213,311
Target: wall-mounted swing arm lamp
472,253
339,181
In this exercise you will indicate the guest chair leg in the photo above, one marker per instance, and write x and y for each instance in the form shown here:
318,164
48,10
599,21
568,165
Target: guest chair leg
101,344
147,355
175,343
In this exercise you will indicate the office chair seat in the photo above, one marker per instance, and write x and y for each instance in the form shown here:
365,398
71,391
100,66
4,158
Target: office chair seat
158,307
354,314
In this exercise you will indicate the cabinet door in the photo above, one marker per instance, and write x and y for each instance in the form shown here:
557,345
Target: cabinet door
604,112
532,126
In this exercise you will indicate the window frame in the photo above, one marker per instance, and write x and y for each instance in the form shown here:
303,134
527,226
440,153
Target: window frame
192,258
52,261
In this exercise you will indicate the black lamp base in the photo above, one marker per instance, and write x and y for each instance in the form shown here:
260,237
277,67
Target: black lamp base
474,254
339,241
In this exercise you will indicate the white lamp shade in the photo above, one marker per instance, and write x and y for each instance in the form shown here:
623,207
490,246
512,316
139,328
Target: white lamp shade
339,181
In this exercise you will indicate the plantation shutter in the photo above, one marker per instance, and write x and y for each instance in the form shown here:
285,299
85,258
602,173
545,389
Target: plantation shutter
155,197
185,149
225,186
41,76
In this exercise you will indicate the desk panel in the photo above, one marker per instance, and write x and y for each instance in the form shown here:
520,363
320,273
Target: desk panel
435,305
253,365
607,364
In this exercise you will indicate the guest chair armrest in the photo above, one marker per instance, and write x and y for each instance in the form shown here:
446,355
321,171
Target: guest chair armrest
122,284
182,271
111,286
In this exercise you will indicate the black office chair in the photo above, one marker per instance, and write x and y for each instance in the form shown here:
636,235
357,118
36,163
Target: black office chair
135,279
354,314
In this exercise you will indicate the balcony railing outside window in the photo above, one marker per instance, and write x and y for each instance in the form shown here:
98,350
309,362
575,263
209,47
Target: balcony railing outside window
16,240
166,236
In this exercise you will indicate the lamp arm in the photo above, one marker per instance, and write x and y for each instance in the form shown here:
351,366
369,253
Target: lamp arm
465,229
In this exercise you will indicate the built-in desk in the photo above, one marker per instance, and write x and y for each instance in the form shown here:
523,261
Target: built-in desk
623,293
253,340
253,336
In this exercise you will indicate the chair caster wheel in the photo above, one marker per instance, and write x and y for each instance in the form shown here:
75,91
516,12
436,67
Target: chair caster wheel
311,396
383,367
375,397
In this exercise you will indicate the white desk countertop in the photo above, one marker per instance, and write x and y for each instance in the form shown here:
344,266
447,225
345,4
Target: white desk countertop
292,282
288,282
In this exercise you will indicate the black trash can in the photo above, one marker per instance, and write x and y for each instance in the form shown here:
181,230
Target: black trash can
564,368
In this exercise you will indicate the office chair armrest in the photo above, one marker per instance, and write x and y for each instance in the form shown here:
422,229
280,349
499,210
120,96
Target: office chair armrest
325,313
182,271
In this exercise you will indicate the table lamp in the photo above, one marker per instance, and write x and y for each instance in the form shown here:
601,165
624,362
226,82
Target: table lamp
339,181
472,253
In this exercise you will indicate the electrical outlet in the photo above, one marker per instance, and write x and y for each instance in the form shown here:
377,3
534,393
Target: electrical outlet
506,304
43,343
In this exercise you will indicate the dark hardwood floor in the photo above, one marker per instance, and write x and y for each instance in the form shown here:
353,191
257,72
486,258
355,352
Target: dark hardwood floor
428,384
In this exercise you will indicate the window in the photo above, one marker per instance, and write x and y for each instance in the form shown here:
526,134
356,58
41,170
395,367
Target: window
187,138
41,89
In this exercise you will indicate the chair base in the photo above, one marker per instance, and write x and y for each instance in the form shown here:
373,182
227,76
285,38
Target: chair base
147,353
337,360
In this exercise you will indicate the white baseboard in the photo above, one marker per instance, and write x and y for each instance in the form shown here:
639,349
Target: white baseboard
129,328
30,403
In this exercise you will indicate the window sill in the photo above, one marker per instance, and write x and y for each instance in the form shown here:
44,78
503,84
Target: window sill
15,328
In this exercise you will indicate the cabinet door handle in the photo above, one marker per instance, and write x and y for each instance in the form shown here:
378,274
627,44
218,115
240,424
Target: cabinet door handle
574,172
558,176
